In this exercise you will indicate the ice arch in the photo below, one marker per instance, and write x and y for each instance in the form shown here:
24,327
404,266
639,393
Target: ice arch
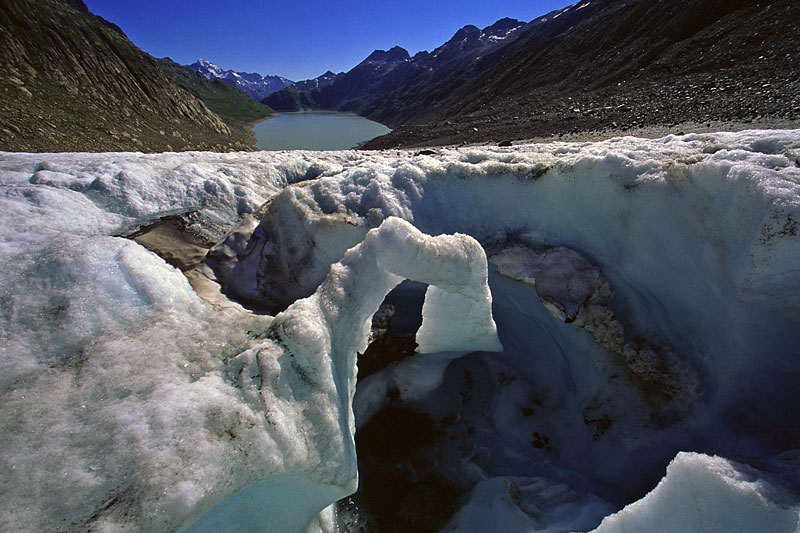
304,376
331,326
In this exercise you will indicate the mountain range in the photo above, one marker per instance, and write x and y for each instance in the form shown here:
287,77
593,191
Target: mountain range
385,86
626,64
253,84
594,66
260,87
233,105
73,81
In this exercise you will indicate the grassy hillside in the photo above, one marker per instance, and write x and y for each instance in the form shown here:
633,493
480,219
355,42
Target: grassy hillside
291,99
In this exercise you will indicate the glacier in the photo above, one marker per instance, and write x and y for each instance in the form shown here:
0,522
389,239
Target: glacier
609,334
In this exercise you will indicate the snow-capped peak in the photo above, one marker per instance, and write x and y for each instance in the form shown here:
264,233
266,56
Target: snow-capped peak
208,69
253,84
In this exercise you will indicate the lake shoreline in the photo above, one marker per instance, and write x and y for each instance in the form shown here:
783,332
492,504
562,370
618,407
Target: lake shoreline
253,124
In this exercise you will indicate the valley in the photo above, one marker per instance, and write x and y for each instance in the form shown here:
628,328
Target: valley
592,70
540,276
587,71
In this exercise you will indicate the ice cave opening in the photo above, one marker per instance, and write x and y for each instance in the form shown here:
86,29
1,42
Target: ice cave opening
576,418
424,455
399,486
312,345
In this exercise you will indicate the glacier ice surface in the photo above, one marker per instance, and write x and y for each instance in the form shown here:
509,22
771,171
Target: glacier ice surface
129,401
705,493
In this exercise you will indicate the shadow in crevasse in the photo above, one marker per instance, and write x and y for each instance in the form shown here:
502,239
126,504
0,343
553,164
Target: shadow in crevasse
399,489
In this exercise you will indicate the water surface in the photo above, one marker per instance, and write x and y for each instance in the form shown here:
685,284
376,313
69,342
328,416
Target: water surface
316,130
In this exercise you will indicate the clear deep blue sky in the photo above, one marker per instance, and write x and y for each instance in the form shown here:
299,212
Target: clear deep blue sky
300,39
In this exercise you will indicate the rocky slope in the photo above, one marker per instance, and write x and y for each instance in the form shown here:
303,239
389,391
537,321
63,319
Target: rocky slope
623,65
386,85
252,84
72,83
316,83
595,68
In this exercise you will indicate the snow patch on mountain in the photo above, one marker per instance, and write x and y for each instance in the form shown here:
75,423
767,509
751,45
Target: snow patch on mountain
317,83
471,38
253,84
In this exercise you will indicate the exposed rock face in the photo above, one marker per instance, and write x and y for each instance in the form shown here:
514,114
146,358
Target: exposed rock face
564,280
71,83
387,85
599,66
617,65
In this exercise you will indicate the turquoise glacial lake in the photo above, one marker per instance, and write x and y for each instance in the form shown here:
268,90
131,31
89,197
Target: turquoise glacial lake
316,130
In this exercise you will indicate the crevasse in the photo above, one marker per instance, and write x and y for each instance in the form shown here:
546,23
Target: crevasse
645,293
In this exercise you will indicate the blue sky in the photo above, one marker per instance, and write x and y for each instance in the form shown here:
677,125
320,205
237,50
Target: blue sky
300,39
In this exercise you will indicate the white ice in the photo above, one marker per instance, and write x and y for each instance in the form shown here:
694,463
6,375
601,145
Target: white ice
122,406
689,343
703,493
695,234
116,411
152,406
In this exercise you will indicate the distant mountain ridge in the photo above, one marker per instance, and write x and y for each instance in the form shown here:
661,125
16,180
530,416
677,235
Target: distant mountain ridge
229,102
619,65
252,84
382,86
316,83
590,66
